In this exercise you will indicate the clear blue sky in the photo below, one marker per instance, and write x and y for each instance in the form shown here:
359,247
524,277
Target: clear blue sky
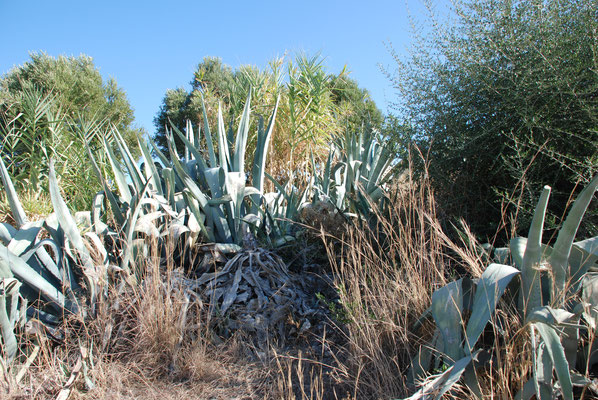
151,46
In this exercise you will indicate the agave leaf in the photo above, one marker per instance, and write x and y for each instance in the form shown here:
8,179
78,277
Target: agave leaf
557,356
584,254
225,199
83,220
281,190
68,225
97,243
119,176
98,225
7,232
130,229
589,295
562,248
447,310
192,170
527,391
17,307
444,382
196,136
25,237
470,380
187,181
175,230
381,164
193,224
48,263
163,159
490,288
162,203
542,372
120,219
169,179
208,134
16,208
150,168
502,255
349,179
579,380
242,134
66,221
190,147
200,218
145,224
223,150
251,191
569,324
376,194
189,137
129,160
570,339
589,248
235,187
5,271
530,274
517,250
261,152
549,316
9,289
422,362
28,275
216,179
56,232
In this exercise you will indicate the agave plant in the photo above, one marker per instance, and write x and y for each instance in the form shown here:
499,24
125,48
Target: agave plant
43,270
357,177
282,209
205,192
215,189
554,291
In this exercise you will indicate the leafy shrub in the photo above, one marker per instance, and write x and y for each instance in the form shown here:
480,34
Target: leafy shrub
504,102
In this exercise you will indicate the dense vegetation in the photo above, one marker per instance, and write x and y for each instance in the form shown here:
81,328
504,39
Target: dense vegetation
313,105
54,107
278,211
505,101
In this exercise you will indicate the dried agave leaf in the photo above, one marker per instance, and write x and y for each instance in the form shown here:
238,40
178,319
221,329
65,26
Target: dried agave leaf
231,295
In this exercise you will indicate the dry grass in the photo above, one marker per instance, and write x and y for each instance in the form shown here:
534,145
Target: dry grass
385,275
37,206
147,341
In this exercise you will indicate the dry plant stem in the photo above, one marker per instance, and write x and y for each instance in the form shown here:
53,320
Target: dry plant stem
386,275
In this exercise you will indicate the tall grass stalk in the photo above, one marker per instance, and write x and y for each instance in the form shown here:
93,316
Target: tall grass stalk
385,276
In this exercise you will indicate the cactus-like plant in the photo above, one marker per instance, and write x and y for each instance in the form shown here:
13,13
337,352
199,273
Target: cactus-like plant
554,289
205,192
42,270
357,177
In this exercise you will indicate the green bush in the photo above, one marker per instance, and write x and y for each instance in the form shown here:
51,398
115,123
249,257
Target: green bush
51,108
504,101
